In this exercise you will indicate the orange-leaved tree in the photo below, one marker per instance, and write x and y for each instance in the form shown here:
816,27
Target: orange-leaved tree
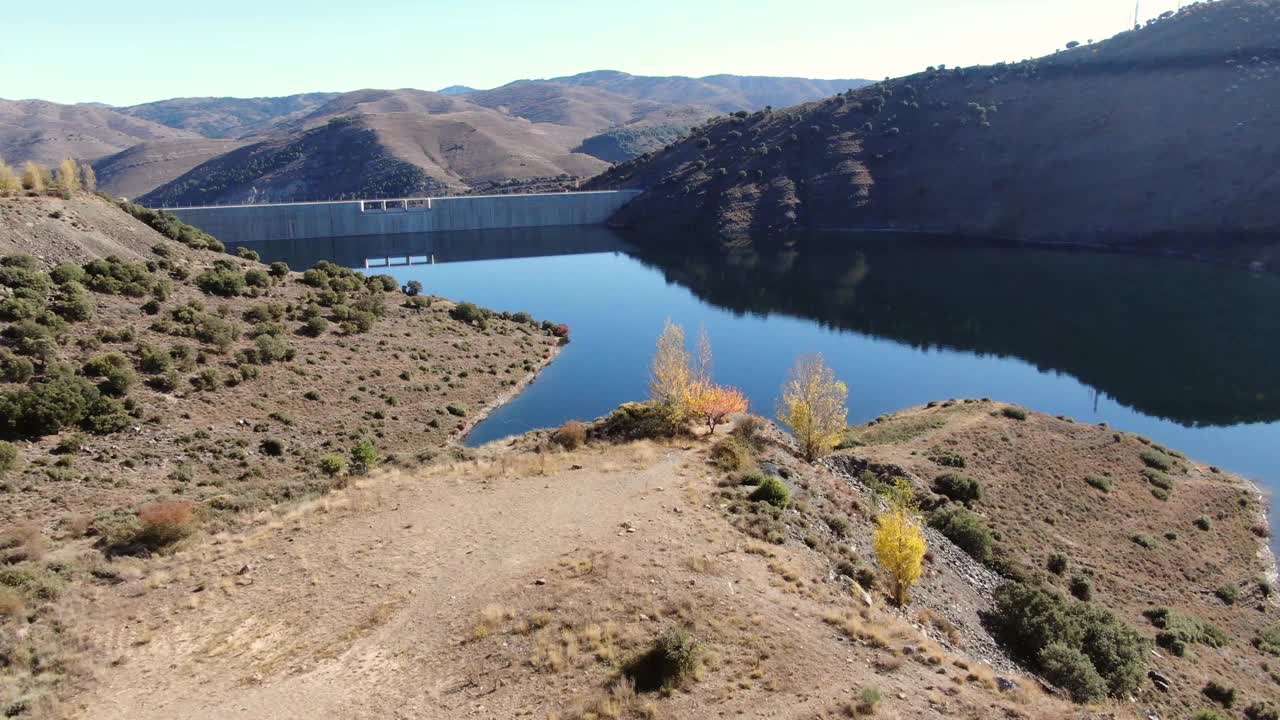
813,406
711,403
899,544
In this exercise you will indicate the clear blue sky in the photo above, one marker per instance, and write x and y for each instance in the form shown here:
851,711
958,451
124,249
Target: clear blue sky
132,51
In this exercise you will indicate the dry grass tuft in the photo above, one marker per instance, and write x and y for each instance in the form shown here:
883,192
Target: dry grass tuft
491,619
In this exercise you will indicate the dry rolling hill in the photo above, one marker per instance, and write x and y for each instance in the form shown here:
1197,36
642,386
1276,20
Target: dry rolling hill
1161,135
46,132
227,117
392,143
726,93
145,166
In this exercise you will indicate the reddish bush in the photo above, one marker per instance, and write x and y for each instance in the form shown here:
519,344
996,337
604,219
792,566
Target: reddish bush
561,331
570,435
164,523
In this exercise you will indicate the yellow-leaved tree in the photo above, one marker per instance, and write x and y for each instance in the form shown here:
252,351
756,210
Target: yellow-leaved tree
68,178
899,544
813,406
9,181
34,177
670,376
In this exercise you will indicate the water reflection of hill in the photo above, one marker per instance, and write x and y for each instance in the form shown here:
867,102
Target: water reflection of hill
1189,342
444,247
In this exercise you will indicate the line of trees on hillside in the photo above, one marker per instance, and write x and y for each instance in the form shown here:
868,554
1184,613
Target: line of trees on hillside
36,179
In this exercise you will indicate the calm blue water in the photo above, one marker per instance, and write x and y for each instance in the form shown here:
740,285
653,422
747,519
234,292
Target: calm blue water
1181,352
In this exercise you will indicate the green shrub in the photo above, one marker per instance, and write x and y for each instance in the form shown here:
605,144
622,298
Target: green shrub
773,491
46,407
1072,671
1156,460
268,349
113,276
1204,523
332,464
278,269
732,455
1159,493
946,458
106,415
8,458
1228,594
1221,694
1081,588
1207,715
315,327
456,410
247,254
116,372
207,380
14,369
1262,710
1158,478
72,303
1145,541
223,279
170,226
384,283
256,277
272,446
673,658
1100,482
1014,412
640,421
364,457
67,272
1058,563
958,487
413,288
1177,631
1032,619
418,302
966,530
868,699
470,314
1268,641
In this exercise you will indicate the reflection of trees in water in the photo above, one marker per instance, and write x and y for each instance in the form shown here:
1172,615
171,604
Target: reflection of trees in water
1189,342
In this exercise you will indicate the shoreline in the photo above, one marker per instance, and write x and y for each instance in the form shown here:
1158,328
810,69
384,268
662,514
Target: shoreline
458,438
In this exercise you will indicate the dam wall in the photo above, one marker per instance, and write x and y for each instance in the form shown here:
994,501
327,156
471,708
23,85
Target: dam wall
303,221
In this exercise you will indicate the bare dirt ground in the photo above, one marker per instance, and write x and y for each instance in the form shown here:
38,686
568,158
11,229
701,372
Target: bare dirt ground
515,585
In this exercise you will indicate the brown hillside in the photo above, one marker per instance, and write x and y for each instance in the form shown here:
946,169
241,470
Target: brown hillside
1160,135
394,154
1206,535
148,165
46,132
227,117
726,93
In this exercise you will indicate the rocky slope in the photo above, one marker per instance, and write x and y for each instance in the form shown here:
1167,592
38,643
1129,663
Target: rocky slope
1158,136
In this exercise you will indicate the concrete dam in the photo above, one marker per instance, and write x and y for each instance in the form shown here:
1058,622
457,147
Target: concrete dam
303,221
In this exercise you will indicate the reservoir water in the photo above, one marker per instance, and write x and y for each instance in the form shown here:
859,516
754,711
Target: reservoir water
1183,352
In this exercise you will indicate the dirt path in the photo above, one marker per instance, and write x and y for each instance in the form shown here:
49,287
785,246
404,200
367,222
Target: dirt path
343,615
